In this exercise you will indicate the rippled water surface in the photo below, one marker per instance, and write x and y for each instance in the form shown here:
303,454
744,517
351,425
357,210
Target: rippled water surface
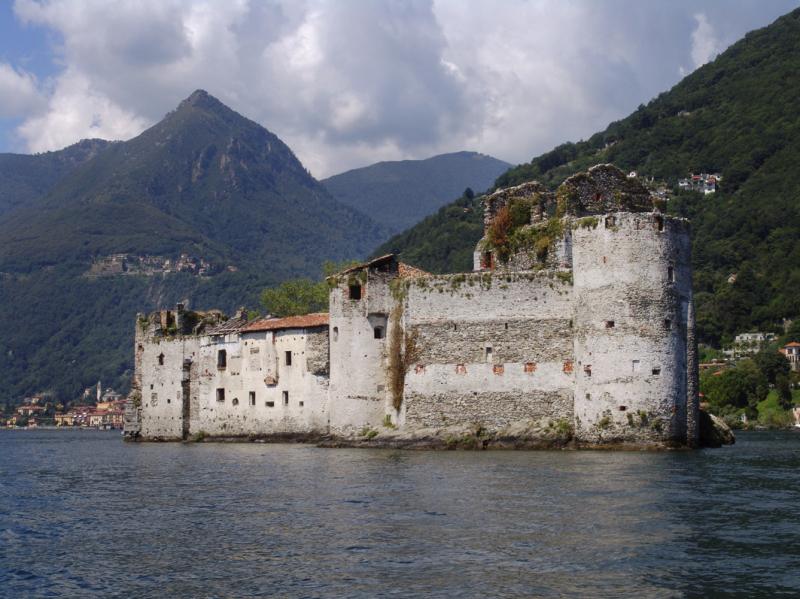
83,514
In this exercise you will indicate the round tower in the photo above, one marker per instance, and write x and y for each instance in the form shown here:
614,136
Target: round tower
632,291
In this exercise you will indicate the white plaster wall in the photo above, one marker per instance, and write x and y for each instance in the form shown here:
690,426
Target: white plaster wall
162,402
358,383
251,358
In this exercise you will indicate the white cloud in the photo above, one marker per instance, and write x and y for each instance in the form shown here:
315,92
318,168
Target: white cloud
349,82
19,93
705,45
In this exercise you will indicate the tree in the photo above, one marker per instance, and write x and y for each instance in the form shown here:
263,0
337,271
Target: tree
298,296
301,296
772,365
784,391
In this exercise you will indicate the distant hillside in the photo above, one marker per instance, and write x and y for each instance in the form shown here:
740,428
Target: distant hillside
204,182
738,116
25,178
398,194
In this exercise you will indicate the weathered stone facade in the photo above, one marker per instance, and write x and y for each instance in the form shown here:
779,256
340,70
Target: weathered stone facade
578,318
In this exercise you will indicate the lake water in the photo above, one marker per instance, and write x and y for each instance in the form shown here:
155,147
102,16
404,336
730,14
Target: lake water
83,514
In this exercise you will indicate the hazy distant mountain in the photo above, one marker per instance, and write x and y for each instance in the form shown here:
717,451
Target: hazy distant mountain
399,194
24,177
737,116
205,182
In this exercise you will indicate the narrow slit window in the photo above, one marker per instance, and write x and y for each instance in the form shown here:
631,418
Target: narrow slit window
160,359
378,332
285,398
488,354
252,397
671,274
336,333
220,394
288,358
222,359
667,323
659,223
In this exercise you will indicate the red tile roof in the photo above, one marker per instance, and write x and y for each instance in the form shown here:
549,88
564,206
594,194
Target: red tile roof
307,321
792,344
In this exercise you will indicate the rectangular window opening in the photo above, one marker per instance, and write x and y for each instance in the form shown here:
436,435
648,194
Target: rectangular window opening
656,371
252,396
671,274
270,404
378,332
288,358
300,403
609,324
610,222
635,365
286,398
220,394
659,223
335,333
667,323
222,359
354,291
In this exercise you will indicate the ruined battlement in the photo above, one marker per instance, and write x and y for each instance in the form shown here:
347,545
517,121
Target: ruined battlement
577,323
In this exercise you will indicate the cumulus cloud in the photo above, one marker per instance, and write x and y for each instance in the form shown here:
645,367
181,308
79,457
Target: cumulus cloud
19,93
349,82
705,45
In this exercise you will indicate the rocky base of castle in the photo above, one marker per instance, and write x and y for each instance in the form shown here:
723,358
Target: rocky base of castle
525,435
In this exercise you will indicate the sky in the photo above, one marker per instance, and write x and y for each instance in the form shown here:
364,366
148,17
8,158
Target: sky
346,83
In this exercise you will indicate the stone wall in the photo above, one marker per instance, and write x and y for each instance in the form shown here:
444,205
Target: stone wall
492,350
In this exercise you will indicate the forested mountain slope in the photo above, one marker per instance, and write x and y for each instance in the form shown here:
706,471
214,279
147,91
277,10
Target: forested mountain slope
739,116
27,177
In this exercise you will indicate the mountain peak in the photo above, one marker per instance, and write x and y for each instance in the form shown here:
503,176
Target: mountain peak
200,98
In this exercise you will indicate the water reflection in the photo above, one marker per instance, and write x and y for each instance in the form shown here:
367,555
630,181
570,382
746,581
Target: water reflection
82,514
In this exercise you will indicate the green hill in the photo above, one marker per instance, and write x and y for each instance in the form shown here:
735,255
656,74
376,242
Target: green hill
26,178
204,182
737,116
398,194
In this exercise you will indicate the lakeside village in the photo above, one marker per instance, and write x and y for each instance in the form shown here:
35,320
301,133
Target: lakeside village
98,408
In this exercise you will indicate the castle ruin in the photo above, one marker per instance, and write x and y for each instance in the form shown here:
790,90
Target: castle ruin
576,322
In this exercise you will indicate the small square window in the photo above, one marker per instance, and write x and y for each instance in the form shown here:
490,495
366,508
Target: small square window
656,371
609,324
270,404
354,291
300,403
220,394
378,332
